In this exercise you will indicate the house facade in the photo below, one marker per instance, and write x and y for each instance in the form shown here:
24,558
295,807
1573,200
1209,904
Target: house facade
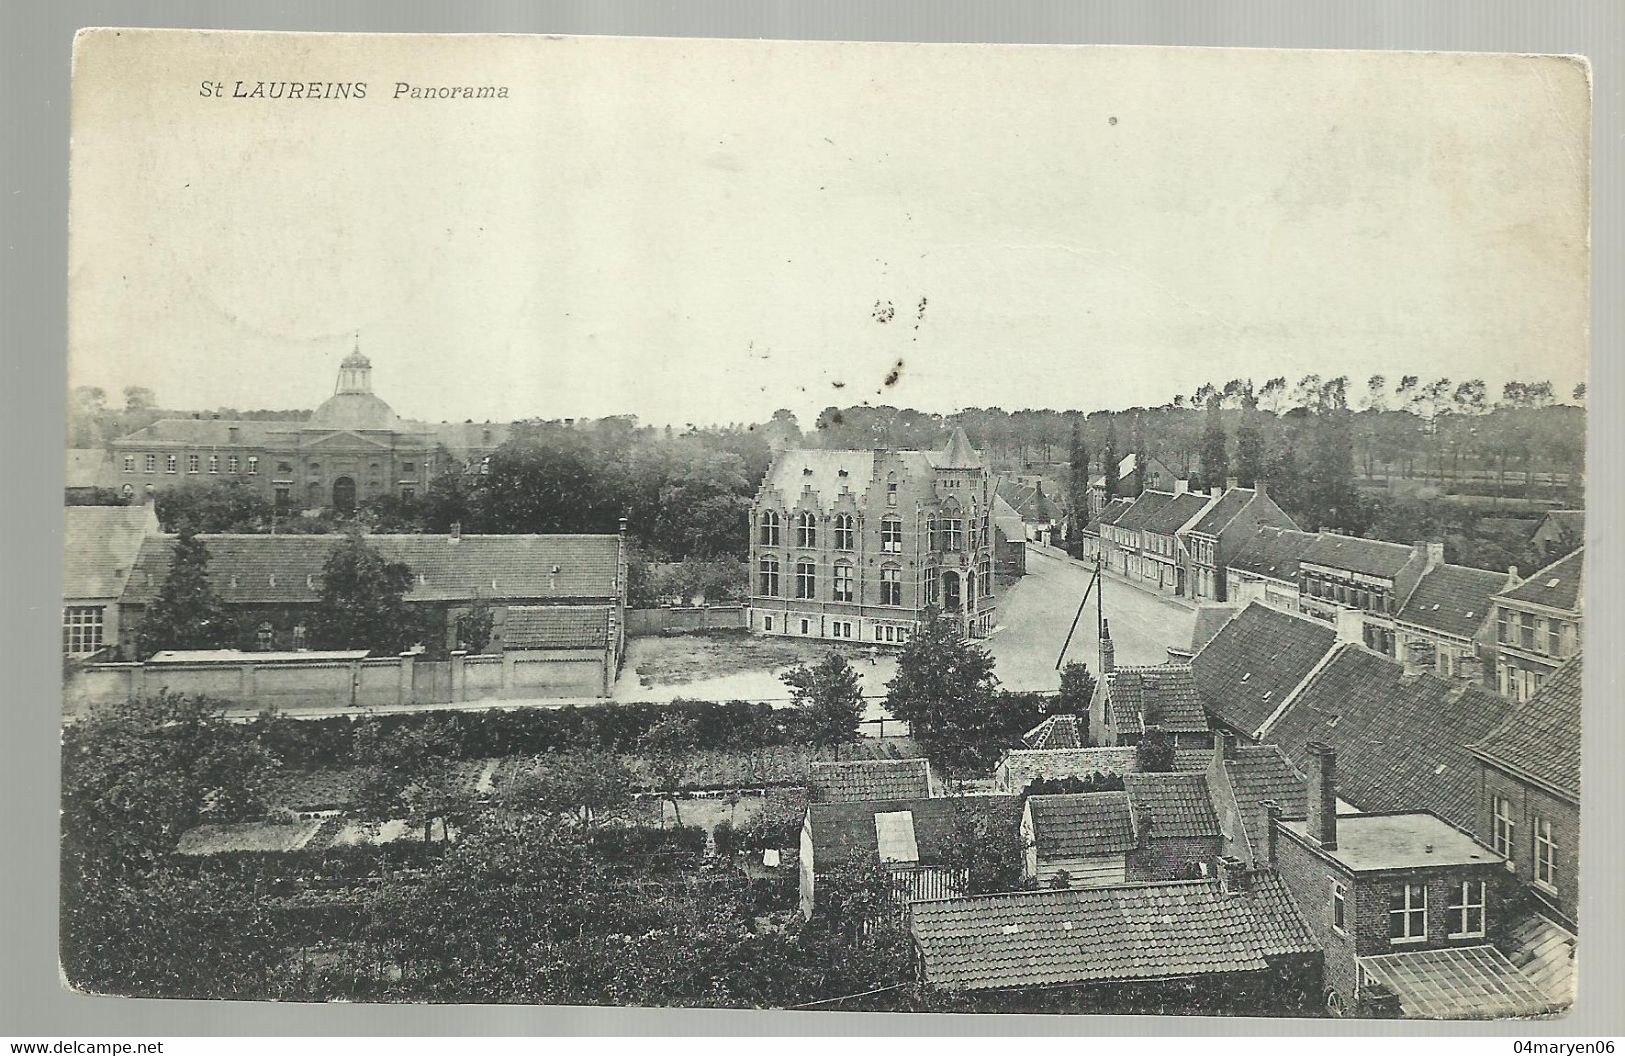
100,548
1209,541
1167,563
1344,573
857,545
1445,625
1537,626
1263,567
352,449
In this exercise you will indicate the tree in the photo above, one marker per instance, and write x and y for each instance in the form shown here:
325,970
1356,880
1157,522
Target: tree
1250,464
407,773
1155,752
1333,499
474,627
830,698
583,784
946,690
1077,690
986,846
1215,460
1142,458
139,398
1078,484
1110,460
664,748
214,506
362,604
187,613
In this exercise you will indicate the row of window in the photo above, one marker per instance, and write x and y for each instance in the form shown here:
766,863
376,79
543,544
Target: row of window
1545,635
843,581
1408,911
946,533
1368,599
843,629
1518,684
195,464
1504,841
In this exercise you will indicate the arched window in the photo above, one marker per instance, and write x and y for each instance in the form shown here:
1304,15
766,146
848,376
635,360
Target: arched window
770,528
769,577
951,527
891,535
806,579
845,532
806,529
891,585
842,588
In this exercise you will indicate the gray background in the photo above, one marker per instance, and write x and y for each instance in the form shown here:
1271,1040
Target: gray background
35,43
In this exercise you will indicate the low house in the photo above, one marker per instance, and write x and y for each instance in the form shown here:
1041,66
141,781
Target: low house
1405,907
870,779
561,650
1263,567
1162,826
1166,560
1130,535
1235,944
1131,702
100,546
1224,527
1537,626
1445,625
1101,538
914,839
1009,541
1528,785
1559,533
1057,731
1247,672
1343,574
1245,780
1020,767
1043,518
1159,475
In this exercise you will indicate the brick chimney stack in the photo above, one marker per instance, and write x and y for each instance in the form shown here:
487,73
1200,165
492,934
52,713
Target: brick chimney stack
1272,818
1108,651
1322,823
1232,875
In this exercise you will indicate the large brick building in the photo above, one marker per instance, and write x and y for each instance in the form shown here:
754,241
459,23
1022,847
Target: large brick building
352,448
1537,626
856,545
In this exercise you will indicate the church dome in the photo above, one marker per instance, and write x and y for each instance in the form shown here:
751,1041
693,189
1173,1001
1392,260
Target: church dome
356,359
354,410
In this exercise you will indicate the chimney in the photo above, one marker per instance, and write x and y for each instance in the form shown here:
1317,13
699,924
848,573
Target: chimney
1322,822
1232,875
1108,651
456,532
1432,554
1512,575
623,525
1181,486
1272,818
1258,488
1224,744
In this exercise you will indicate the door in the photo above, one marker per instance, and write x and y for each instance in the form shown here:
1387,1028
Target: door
344,495
950,592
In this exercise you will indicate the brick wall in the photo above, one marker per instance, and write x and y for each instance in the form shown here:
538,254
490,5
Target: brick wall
1309,878
1168,857
1529,801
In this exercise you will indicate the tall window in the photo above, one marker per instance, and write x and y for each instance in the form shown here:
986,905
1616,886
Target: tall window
214,463
891,535
1526,630
129,463
953,533
843,582
987,576
81,629
1502,828
171,463
1408,913
1339,906
1545,853
806,579
193,463
806,529
231,464
1467,910
770,528
1503,626
891,493
253,465
891,585
845,532
151,464
769,576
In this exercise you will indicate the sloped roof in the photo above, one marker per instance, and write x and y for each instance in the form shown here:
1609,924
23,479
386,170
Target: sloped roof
843,829
1082,825
1178,804
1401,739
1125,466
1453,599
1209,618
1172,515
1162,696
1225,510
1564,520
1113,510
288,568
1255,661
871,779
958,454
1141,509
1029,501
99,548
1105,934
1557,586
1540,740
1057,731
211,432
1007,520
1272,552
1371,557
1022,766
556,627
1463,982
1261,774
826,471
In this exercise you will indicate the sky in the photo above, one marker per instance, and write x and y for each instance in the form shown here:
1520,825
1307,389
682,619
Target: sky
705,231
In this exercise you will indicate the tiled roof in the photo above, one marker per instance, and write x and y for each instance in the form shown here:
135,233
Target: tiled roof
288,568
1142,508
1245,673
1565,521
957,454
1260,774
1082,825
1022,766
1178,804
1222,512
1110,513
1028,501
556,627
871,779
463,438
1272,552
844,829
1371,557
1540,740
1557,586
100,544
1172,515
212,432
1057,731
1401,739
1105,934
1163,696
1209,618
1007,520
1453,600
1464,982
